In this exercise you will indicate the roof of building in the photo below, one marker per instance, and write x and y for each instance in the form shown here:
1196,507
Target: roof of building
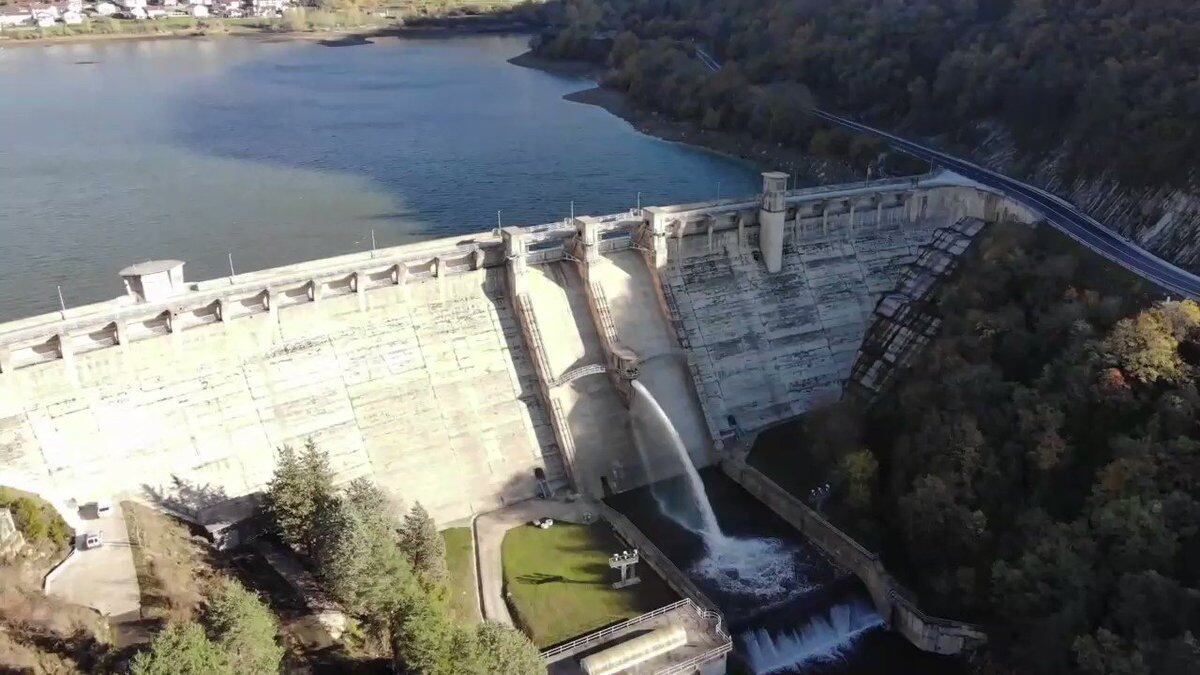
150,267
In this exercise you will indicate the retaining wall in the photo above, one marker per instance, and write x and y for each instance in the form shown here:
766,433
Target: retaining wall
892,601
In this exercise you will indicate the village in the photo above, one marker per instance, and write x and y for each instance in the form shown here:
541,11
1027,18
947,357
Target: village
24,16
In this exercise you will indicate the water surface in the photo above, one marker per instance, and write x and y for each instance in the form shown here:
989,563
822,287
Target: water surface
283,151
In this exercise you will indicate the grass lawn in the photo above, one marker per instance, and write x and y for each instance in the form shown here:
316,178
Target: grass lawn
557,582
460,560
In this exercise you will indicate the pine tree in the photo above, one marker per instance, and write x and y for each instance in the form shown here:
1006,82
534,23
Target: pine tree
425,548
182,649
301,486
245,629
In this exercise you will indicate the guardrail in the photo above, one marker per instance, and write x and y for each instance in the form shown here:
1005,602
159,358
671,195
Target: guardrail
614,629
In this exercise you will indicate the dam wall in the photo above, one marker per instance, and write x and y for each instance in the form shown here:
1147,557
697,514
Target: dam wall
466,372
407,366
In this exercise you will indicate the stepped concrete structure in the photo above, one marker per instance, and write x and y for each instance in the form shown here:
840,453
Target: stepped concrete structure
470,372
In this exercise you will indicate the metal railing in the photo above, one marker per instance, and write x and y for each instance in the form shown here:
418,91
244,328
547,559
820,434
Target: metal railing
615,628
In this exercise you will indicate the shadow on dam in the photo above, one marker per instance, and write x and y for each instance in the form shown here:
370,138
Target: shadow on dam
804,617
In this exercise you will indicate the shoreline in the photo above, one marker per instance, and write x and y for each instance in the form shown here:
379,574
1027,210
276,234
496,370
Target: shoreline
805,169
435,28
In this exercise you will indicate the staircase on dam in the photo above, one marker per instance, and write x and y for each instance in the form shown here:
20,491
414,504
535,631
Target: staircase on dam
473,372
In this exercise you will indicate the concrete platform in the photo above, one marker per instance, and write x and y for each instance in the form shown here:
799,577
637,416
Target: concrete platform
707,642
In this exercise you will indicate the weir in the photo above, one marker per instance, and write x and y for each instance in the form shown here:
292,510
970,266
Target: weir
459,371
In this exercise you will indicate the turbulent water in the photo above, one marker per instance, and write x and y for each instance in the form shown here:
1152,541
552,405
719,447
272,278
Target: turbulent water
280,151
766,572
823,638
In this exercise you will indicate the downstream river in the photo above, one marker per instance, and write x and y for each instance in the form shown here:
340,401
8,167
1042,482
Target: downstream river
279,151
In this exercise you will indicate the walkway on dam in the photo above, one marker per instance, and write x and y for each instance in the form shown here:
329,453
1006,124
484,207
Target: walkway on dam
489,530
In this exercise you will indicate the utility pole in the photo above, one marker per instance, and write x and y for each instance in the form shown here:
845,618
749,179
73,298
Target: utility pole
232,274
718,190
572,209
62,304
639,202
372,243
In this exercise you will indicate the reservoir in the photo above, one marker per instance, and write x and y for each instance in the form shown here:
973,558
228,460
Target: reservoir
280,151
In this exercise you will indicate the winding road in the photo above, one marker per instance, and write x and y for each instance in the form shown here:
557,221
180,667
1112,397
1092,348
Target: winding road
1059,213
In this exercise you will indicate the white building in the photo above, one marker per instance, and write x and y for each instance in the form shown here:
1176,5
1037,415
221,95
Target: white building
198,11
133,4
11,17
72,17
106,8
268,7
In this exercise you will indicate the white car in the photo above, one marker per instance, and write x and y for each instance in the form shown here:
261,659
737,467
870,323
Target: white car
93,540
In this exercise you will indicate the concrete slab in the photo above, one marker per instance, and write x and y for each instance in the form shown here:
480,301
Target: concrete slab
103,578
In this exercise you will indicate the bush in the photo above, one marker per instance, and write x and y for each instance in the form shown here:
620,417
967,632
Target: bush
35,518
182,649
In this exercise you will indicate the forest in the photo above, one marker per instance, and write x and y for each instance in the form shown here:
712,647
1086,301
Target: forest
1038,468
1105,88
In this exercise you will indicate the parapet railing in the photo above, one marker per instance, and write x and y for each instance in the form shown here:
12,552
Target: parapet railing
615,628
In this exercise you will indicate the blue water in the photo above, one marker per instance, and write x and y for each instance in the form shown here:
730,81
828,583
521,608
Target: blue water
282,151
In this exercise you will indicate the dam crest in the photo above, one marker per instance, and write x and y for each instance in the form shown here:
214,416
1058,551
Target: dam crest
475,371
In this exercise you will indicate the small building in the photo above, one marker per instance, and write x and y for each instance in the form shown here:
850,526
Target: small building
198,11
11,17
268,8
72,17
133,4
229,8
106,8
153,280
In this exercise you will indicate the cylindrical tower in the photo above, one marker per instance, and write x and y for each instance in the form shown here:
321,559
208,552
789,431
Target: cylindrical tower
770,219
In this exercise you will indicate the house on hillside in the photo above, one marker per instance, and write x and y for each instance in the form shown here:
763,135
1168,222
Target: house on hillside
268,8
198,11
44,16
72,17
229,8
11,17
106,8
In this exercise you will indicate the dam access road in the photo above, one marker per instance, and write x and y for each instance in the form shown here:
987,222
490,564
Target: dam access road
1059,213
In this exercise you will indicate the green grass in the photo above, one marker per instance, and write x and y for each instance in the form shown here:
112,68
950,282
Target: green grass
557,582
460,560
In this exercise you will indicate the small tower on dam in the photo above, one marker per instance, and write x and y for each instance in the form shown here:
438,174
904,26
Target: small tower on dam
770,219
154,280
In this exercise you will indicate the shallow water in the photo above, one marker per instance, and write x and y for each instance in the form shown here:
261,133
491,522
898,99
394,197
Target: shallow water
284,151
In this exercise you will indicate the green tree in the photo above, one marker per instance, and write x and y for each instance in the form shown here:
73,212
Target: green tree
301,486
245,629
425,640
182,649
506,650
425,548
859,471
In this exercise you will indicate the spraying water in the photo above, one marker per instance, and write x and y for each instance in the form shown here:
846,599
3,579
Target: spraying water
652,428
763,568
766,570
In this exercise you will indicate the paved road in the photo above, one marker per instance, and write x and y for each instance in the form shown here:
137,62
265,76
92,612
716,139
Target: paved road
102,578
490,529
1059,213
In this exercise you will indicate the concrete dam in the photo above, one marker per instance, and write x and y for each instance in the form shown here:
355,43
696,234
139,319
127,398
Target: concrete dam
470,372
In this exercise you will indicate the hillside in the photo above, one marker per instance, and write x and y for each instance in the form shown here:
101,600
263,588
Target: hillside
1097,100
